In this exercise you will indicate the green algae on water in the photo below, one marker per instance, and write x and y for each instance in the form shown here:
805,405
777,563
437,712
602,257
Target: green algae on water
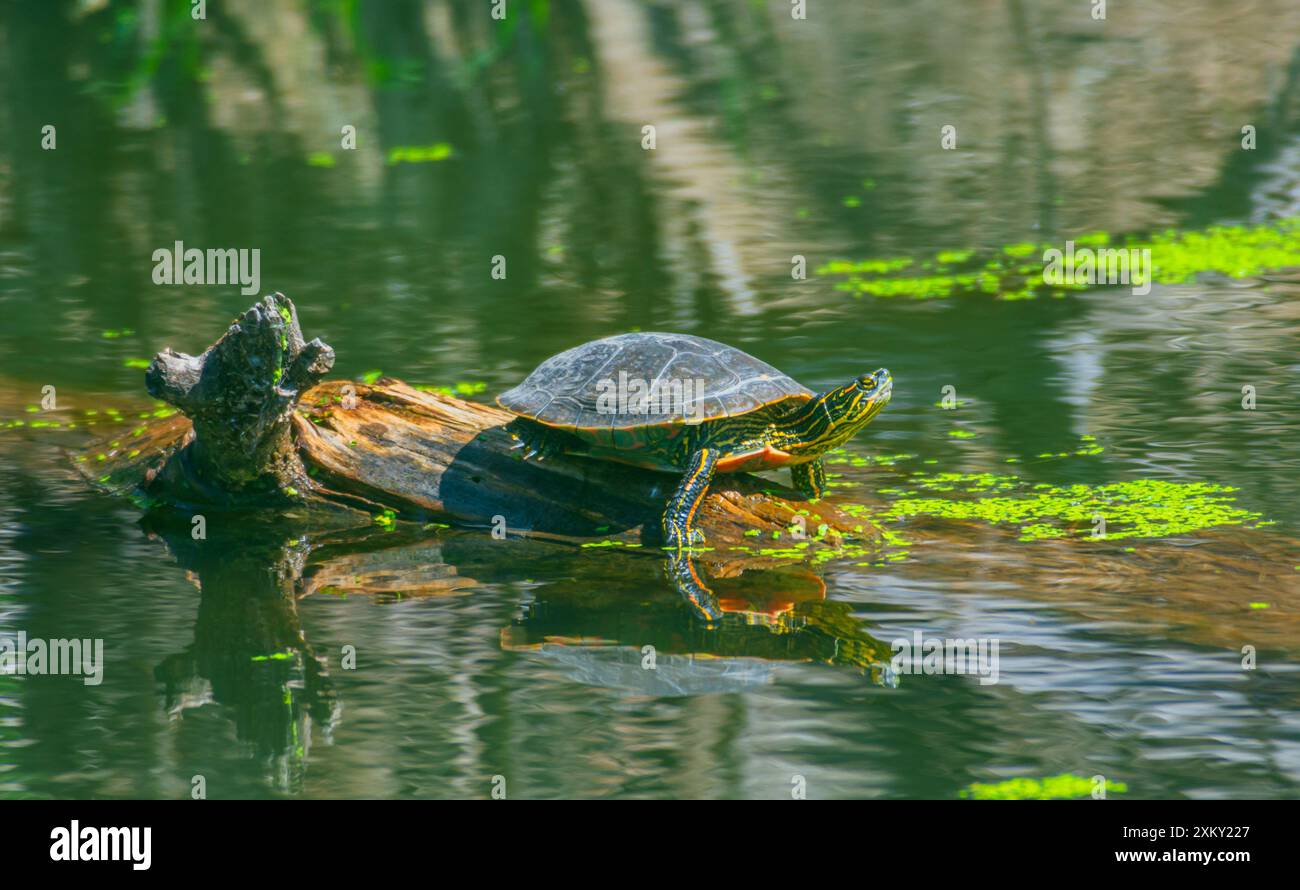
844,456
1142,508
1015,271
460,389
419,154
1063,787
274,656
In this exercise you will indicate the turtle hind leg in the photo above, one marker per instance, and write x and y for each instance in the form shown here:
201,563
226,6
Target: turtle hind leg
541,441
810,479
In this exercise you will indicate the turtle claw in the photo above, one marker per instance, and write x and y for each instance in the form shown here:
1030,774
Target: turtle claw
529,453
692,540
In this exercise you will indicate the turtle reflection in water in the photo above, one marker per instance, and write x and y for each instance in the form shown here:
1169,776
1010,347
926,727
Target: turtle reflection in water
620,637
729,413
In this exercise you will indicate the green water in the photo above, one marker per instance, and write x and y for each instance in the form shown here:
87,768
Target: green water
775,138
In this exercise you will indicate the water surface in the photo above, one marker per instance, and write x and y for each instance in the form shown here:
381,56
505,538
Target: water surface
774,138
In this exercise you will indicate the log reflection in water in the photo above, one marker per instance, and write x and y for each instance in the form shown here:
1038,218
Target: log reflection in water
591,614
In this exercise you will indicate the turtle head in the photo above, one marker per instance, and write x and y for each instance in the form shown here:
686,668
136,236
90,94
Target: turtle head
853,405
832,418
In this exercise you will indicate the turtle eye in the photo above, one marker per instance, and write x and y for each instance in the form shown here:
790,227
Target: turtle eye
875,380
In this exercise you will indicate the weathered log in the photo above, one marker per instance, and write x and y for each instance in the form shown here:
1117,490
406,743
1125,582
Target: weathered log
392,450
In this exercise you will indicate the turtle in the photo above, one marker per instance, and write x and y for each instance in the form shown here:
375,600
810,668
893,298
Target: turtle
688,405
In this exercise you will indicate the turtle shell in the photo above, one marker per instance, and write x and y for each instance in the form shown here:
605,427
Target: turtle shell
697,380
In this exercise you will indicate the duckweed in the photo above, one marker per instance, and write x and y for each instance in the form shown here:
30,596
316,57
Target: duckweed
274,656
1015,271
1051,788
844,456
460,389
419,154
1143,508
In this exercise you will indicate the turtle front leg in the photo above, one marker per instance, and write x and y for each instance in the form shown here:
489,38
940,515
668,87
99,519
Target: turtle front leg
810,479
679,533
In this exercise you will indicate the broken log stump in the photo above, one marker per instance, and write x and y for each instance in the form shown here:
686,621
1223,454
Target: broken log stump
239,395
